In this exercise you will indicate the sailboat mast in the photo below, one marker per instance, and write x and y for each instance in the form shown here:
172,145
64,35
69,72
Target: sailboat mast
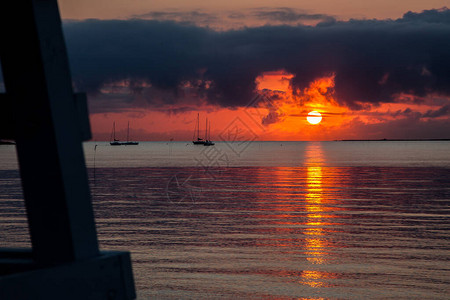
209,131
198,126
112,132
206,129
128,132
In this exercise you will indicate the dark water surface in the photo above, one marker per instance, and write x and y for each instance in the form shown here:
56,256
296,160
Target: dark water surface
302,221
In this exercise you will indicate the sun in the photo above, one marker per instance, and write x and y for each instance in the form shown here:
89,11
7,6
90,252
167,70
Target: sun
314,117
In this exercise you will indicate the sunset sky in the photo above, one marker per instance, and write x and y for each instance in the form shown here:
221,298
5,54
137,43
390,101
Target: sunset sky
373,69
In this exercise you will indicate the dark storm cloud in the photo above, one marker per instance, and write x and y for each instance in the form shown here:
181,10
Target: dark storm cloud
429,16
189,17
269,15
373,61
286,14
443,111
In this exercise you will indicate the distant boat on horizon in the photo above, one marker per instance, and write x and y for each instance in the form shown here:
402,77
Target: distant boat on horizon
128,142
115,142
208,141
198,140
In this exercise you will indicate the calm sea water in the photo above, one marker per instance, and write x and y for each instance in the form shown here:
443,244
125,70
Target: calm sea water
267,220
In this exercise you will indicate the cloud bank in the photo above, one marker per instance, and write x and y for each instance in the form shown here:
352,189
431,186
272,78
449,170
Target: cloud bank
165,62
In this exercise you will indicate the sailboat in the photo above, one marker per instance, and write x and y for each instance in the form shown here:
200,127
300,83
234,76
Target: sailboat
113,141
198,140
208,141
128,142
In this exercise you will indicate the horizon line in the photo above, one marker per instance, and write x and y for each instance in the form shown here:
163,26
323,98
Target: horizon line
335,140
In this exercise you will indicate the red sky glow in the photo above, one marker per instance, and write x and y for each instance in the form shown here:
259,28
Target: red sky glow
373,70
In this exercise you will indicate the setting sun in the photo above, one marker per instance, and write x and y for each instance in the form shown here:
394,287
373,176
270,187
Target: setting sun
314,117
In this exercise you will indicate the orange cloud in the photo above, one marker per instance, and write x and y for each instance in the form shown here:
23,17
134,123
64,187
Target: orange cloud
277,113
288,109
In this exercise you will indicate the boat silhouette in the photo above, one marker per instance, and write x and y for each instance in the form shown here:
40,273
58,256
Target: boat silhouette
116,142
208,141
198,140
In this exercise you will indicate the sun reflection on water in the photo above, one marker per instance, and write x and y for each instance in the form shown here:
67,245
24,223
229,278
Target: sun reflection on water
315,245
301,217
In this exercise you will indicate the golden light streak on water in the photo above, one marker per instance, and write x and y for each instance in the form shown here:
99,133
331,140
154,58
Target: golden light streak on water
314,243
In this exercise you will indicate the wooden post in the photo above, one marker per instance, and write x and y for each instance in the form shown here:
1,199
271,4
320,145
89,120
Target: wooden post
52,167
48,123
